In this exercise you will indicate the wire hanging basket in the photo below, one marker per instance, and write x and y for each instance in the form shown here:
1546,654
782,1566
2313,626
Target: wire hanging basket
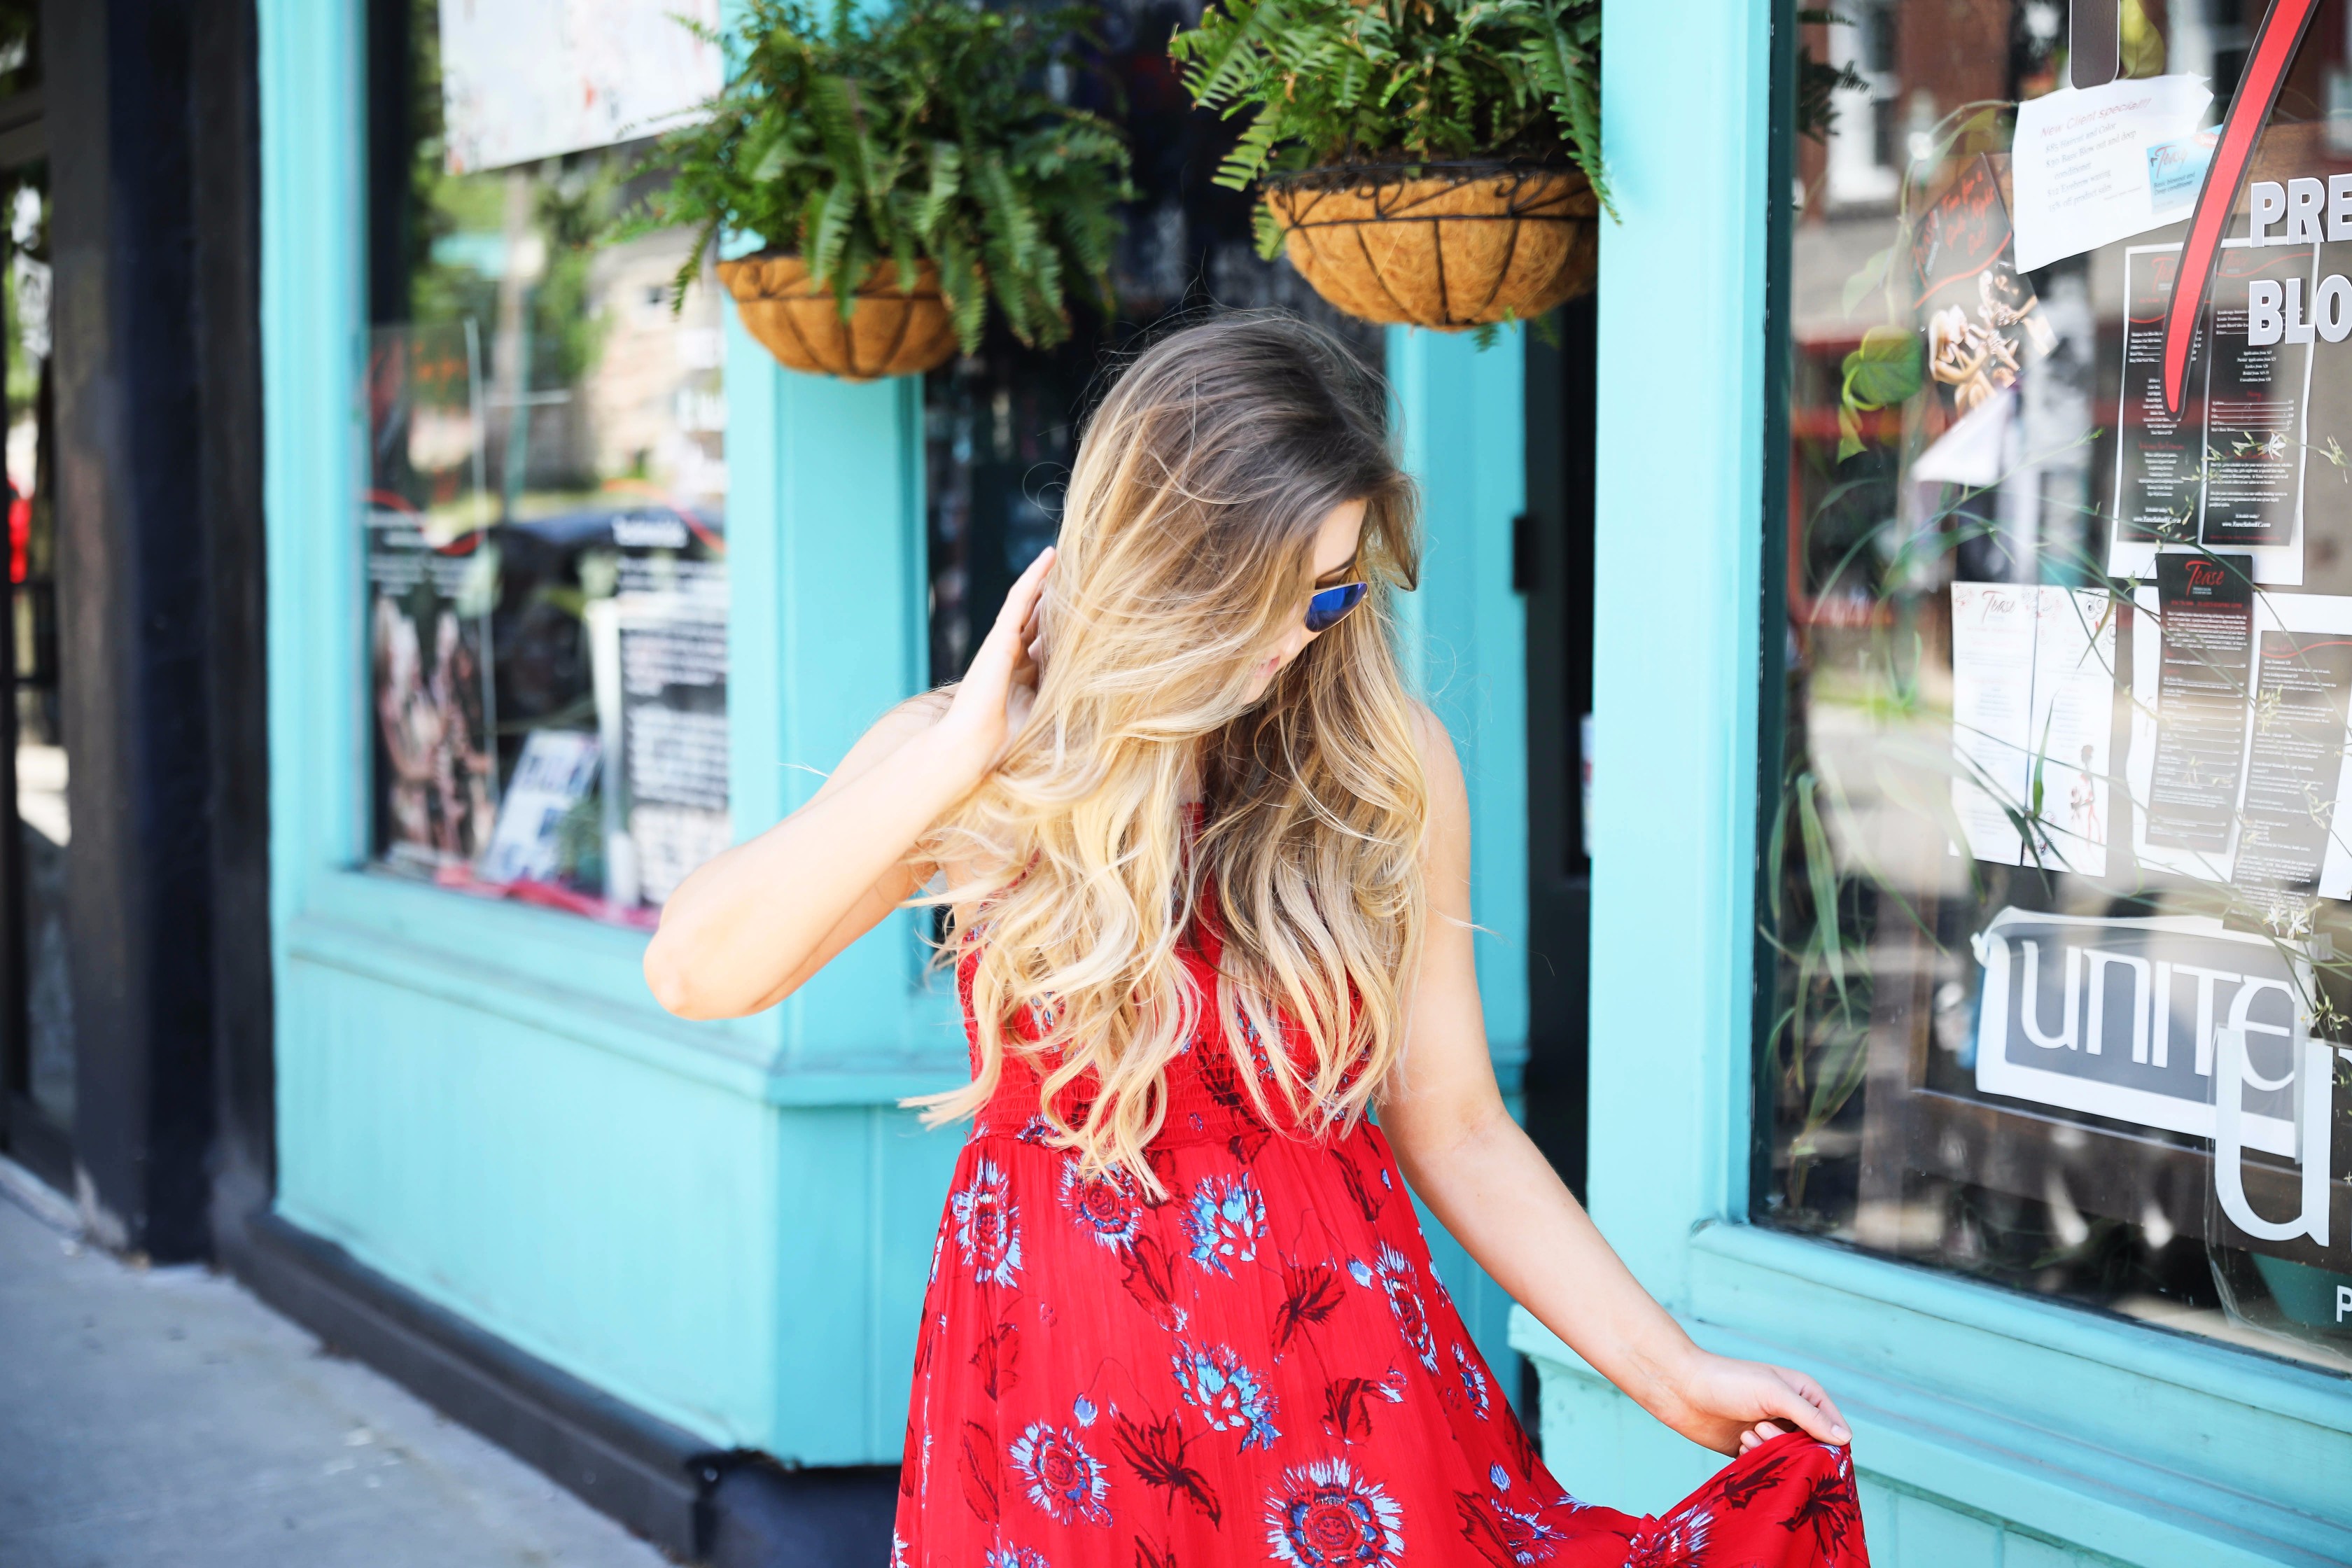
890,330
1435,244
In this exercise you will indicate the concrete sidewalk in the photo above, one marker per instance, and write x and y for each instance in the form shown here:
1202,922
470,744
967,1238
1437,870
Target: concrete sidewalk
162,1415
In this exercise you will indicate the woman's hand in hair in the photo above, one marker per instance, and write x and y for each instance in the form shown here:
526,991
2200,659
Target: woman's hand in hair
999,686
753,924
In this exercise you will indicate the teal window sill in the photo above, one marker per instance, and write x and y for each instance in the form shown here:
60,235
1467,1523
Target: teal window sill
2121,1438
584,980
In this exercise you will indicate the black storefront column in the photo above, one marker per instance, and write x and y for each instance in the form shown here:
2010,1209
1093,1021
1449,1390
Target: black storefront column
149,109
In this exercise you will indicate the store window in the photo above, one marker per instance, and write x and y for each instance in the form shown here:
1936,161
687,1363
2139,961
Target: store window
2055,977
1002,425
545,516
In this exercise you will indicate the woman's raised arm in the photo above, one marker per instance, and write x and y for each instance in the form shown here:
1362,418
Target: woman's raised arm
750,925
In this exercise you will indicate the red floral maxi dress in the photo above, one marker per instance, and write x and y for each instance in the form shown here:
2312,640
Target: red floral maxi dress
1260,1367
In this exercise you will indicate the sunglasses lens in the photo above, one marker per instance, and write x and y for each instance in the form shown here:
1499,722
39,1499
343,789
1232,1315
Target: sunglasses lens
1324,610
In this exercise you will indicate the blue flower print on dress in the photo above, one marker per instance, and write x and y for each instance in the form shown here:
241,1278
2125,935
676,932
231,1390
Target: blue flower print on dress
1063,1478
1013,1557
1224,1221
1084,1409
1105,1205
1360,1271
1473,1383
1327,1515
1228,1394
1400,1283
1502,1532
987,1225
1680,1538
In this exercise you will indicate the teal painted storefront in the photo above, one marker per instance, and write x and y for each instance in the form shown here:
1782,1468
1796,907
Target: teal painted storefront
726,1226
1991,1430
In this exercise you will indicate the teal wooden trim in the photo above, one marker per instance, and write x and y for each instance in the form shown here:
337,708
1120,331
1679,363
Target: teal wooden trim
850,587
1678,491
1464,423
1742,1271
732,1055
851,1291
312,103
1981,1460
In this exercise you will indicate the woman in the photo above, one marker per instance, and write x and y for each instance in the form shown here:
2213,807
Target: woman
1207,868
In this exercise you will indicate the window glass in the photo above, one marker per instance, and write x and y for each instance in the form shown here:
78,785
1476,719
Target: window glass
38,1011
545,514
1002,425
2056,902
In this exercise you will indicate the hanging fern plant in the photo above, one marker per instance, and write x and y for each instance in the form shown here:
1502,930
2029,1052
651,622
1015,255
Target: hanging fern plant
877,140
1426,163
1328,82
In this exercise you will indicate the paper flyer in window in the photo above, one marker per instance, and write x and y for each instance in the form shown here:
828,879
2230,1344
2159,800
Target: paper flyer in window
2034,676
2256,393
2229,470
525,80
2160,457
661,652
1983,321
2094,165
2192,647
553,776
2240,763
432,580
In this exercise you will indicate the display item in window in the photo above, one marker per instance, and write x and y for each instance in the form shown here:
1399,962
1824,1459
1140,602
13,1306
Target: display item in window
2057,891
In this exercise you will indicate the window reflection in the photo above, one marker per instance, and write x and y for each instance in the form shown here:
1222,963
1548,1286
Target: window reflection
2054,896
545,519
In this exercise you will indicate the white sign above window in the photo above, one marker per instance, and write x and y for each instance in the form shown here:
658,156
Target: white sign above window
525,80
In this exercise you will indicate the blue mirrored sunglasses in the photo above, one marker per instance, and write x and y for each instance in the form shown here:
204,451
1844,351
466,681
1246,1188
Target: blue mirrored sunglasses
1325,608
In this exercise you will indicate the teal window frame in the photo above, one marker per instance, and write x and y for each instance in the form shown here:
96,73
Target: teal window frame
2120,1438
826,630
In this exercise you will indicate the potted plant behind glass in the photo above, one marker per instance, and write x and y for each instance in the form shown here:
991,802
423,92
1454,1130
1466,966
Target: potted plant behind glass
1433,163
904,167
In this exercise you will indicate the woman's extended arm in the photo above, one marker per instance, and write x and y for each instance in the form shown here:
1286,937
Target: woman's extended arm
749,926
1487,1183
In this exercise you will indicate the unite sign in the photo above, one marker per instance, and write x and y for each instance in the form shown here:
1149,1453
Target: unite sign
2171,1023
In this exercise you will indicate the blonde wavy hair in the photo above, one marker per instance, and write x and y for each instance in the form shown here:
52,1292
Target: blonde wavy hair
1186,549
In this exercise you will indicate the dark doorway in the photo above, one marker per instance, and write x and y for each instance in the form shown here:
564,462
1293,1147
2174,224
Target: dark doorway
1553,564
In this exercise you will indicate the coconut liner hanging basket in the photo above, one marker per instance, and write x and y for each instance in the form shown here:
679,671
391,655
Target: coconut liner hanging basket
1444,244
890,330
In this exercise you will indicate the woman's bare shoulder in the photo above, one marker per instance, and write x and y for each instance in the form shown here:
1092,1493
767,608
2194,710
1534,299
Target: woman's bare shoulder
1432,740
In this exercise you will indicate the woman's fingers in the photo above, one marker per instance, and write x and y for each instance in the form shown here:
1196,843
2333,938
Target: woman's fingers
1803,1405
1000,653
1032,635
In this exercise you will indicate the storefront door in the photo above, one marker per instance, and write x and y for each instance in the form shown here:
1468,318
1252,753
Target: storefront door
1552,565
